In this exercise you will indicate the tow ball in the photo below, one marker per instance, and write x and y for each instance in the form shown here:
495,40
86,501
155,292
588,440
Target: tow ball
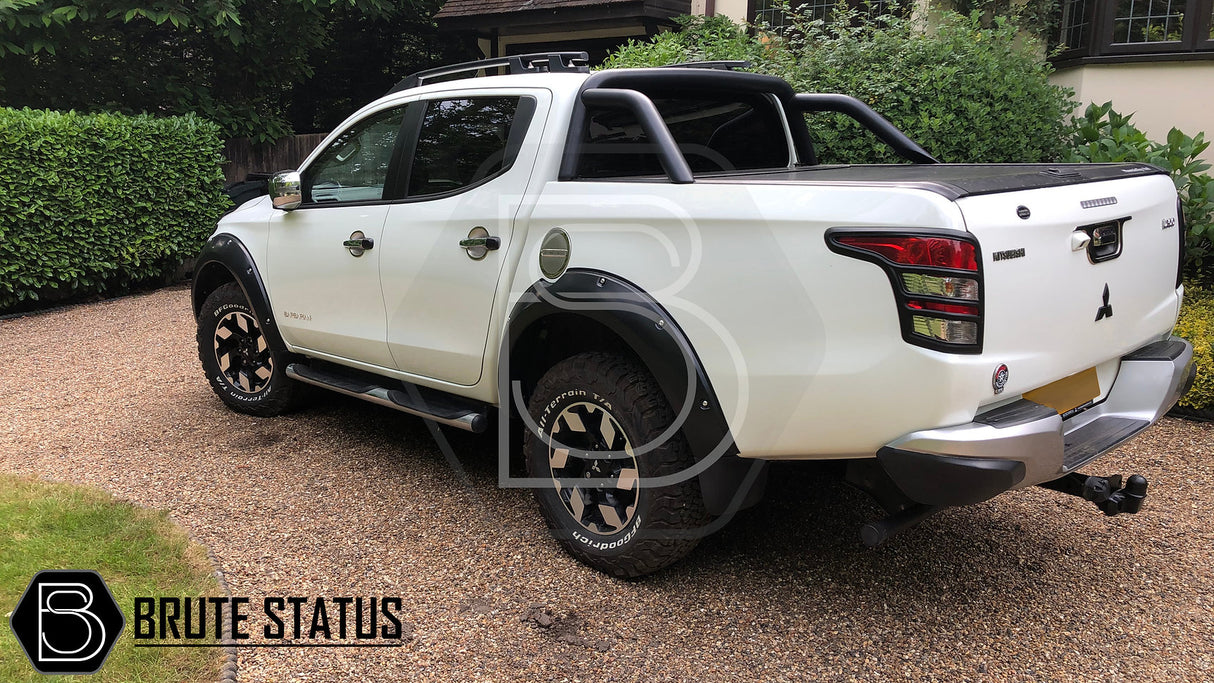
1105,493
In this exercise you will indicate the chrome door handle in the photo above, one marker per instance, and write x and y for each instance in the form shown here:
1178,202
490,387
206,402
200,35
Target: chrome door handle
479,243
358,244
489,243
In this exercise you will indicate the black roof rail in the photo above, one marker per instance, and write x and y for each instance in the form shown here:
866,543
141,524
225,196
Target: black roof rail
724,65
539,62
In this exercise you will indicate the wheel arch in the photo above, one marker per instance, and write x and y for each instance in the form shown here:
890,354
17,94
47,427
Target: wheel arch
588,310
225,259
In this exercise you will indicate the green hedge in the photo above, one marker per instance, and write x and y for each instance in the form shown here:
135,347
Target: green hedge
965,91
1197,325
95,203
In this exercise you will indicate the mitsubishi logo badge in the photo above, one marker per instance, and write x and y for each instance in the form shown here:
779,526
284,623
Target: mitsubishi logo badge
1105,311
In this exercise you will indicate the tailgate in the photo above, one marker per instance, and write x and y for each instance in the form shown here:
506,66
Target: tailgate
1053,308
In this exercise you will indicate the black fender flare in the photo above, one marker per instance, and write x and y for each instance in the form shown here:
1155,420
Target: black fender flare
650,332
224,252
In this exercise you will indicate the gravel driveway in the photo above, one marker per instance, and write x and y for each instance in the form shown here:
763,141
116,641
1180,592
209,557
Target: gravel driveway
346,498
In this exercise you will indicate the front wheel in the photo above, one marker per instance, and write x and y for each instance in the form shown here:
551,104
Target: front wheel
243,367
600,420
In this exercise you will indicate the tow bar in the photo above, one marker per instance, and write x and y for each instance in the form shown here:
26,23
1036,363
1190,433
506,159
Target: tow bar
1105,493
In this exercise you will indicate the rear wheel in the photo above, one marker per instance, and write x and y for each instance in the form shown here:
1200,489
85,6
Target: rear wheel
600,419
244,368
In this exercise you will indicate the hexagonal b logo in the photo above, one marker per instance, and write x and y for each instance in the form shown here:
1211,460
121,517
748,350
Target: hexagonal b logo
67,622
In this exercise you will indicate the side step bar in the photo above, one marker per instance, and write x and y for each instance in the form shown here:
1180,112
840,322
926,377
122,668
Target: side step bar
424,403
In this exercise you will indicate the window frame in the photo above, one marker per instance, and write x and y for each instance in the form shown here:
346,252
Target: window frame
1195,42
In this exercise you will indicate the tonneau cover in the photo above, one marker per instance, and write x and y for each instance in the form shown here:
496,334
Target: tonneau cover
951,180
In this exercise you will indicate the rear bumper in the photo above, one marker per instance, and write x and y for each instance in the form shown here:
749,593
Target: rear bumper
1025,443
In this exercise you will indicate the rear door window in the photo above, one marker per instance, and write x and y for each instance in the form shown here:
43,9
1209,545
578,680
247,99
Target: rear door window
466,141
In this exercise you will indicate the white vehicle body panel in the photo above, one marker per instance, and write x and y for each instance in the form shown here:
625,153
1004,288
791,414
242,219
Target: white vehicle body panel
803,346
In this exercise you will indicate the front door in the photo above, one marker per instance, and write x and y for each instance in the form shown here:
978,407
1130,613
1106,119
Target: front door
324,263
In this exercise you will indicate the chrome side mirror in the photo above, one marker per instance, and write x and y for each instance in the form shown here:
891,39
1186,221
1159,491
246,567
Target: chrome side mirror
286,190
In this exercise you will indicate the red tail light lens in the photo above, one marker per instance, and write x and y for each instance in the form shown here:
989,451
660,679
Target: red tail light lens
964,309
931,252
936,280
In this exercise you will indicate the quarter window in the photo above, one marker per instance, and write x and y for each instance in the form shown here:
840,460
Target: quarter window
354,167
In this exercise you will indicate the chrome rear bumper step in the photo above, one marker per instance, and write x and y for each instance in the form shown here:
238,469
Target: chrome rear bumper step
409,398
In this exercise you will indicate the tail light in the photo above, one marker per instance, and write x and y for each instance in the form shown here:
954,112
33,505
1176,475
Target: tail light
937,281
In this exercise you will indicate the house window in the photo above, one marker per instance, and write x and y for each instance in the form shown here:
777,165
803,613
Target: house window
1126,30
1148,21
1075,27
773,13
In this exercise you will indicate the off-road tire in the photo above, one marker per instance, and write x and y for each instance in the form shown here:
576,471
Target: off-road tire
251,377
630,533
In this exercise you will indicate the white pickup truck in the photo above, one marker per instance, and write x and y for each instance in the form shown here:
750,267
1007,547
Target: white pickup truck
646,280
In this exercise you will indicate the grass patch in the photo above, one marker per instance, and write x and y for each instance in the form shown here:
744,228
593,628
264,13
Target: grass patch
138,552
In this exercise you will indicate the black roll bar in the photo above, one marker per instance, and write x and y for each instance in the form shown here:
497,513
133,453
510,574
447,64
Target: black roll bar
865,116
651,122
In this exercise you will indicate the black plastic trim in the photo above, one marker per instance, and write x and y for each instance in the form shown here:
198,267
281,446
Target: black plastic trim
1094,256
227,252
1168,349
1021,412
1099,436
1182,234
893,271
949,480
630,313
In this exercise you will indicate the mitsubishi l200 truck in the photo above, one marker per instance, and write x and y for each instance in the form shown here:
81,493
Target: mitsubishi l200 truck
647,283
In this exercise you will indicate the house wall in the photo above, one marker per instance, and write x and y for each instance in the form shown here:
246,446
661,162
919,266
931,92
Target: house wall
1161,95
734,9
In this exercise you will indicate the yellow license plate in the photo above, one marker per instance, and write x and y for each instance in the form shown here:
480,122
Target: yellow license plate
1068,392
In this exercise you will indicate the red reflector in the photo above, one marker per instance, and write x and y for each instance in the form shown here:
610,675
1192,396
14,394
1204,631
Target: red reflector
967,309
937,252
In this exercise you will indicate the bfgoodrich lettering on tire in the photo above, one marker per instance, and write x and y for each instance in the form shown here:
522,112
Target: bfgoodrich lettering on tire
243,367
597,415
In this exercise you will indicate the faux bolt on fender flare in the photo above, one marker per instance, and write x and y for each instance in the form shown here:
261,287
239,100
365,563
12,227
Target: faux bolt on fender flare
224,259
650,332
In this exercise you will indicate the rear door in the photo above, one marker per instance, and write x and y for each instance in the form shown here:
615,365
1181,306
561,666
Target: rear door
1075,276
471,161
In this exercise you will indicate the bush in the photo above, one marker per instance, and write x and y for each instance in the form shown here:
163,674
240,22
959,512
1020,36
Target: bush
966,92
1197,325
1103,135
94,203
